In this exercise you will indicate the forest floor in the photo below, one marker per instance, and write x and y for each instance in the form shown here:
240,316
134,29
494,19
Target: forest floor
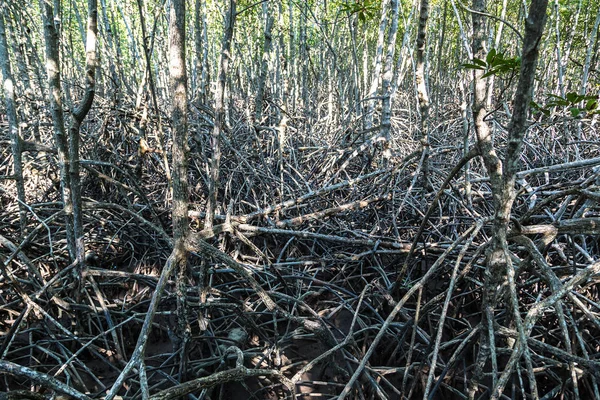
356,280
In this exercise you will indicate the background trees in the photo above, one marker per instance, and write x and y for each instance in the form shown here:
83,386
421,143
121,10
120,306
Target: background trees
397,198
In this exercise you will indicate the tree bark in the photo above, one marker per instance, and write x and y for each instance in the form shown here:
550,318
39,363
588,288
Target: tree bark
422,91
79,115
51,38
264,62
502,174
13,122
388,74
178,84
376,66
220,100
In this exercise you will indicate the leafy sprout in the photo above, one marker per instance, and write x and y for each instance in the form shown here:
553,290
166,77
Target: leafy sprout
495,63
364,9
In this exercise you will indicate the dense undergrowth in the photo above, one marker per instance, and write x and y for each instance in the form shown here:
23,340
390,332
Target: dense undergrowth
325,225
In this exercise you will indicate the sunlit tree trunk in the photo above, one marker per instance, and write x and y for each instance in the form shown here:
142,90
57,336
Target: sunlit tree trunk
201,49
490,90
494,169
56,107
292,67
303,56
264,62
178,85
559,61
356,88
376,76
24,82
111,51
593,41
13,123
422,90
220,100
502,173
280,80
404,52
79,115
439,93
573,21
388,74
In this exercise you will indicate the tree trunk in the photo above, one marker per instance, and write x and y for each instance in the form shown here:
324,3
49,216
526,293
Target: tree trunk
373,88
178,84
388,74
502,174
56,107
79,115
422,92
220,100
264,62
112,52
13,123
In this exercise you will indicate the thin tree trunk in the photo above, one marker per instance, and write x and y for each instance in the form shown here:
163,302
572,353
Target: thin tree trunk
147,54
502,176
112,52
304,58
356,88
292,67
499,260
198,45
56,107
388,74
461,30
439,97
220,100
280,81
401,62
205,79
264,63
559,61
79,115
490,89
494,169
178,84
569,44
132,42
30,49
586,73
13,123
588,57
148,74
422,91
30,109
280,93
374,87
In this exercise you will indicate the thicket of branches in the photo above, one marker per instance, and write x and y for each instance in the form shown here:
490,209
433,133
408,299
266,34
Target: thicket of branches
351,254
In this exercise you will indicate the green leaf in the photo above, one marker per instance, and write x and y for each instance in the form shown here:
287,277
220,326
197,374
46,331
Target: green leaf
575,111
471,66
480,62
490,56
591,104
555,96
558,103
573,97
